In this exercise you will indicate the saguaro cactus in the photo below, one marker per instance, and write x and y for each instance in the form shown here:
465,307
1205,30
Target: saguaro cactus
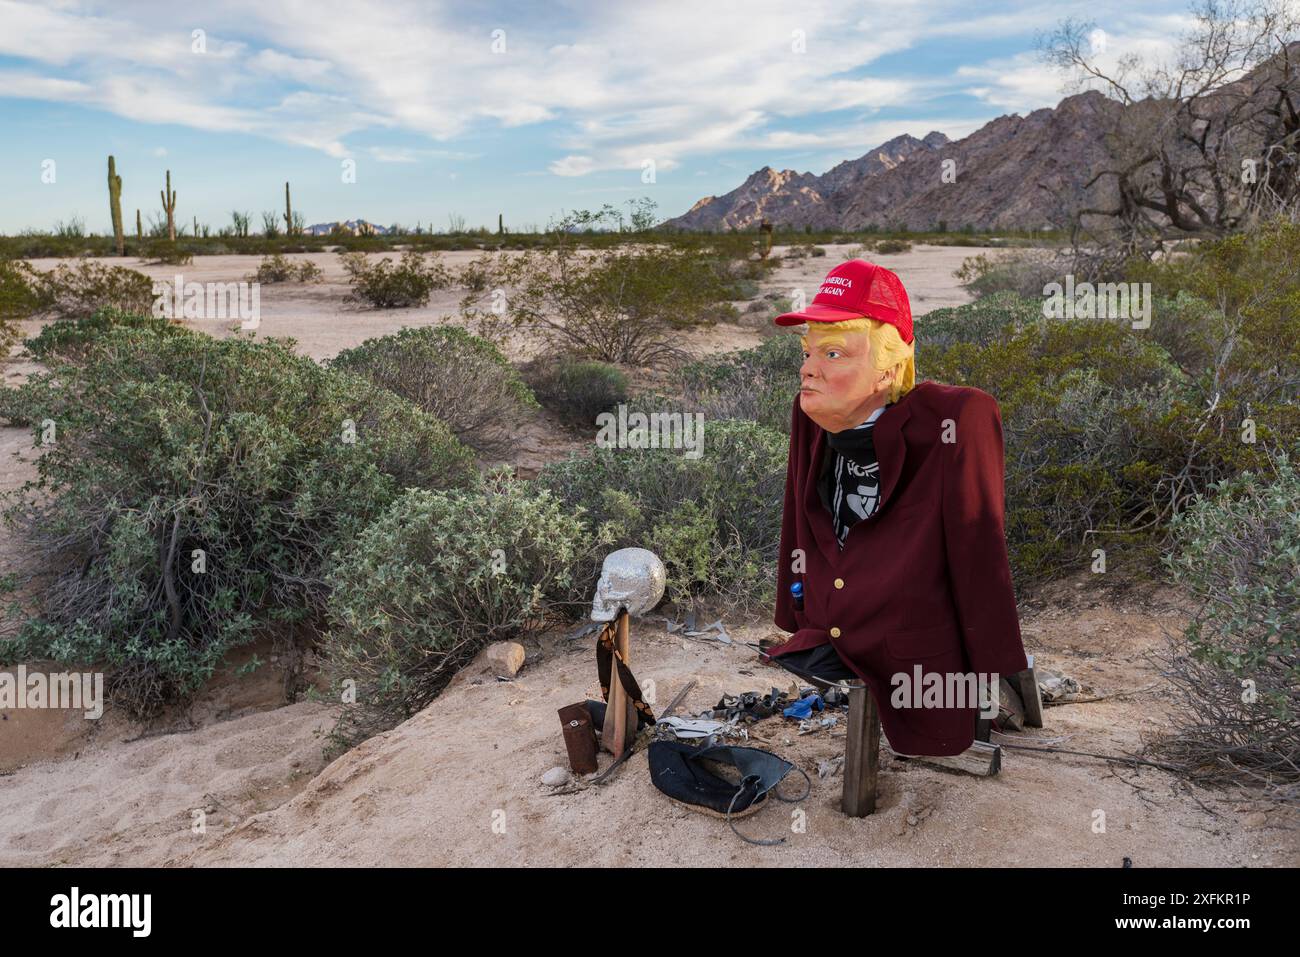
139,227
501,226
288,212
115,206
169,206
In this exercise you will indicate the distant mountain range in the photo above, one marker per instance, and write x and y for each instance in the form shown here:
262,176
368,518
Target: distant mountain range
353,227
1012,173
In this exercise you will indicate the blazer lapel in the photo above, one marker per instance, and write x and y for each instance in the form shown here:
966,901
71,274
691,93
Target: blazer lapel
891,448
818,516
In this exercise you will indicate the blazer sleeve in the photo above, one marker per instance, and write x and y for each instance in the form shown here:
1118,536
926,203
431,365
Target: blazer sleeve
784,616
975,538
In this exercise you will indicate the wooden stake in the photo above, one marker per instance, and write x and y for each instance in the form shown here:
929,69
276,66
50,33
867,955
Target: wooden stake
1027,683
861,753
620,712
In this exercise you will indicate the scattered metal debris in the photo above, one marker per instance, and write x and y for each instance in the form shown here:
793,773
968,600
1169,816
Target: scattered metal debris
829,767
813,725
1054,686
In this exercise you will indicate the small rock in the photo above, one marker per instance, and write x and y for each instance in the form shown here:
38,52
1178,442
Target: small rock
556,777
1258,819
913,820
505,657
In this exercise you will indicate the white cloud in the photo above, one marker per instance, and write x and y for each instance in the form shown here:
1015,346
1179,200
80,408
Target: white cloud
573,166
17,83
301,70
1025,82
627,82
407,154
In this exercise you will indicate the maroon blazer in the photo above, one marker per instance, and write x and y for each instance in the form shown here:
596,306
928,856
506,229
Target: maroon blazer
925,579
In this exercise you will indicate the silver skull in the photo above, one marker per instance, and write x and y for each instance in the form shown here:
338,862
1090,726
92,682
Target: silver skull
631,578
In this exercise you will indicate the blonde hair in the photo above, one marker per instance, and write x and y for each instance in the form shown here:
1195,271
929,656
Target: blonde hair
888,350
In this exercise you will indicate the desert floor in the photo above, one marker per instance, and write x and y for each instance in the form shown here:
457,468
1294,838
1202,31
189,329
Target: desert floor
429,792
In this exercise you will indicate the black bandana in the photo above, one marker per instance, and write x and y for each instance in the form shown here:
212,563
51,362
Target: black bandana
851,489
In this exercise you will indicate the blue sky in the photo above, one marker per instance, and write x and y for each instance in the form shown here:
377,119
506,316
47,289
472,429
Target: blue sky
526,109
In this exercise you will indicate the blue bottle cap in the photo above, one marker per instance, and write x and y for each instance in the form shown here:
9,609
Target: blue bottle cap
796,589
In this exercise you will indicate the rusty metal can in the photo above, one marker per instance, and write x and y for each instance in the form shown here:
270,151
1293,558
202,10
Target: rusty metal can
579,737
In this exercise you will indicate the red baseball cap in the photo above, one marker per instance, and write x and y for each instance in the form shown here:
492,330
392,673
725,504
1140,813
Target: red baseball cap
854,290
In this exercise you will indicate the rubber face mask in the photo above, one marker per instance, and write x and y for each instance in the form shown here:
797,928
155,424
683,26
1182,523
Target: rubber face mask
838,377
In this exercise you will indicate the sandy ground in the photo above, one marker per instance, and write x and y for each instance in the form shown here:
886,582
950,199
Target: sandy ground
459,784
324,324
431,790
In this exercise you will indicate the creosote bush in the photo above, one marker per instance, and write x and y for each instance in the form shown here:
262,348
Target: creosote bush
1022,272
169,253
622,304
1081,402
887,247
435,579
72,291
715,520
991,320
1236,668
73,340
279,268
757,384
20,297
194,494
576,390
385,284
461,379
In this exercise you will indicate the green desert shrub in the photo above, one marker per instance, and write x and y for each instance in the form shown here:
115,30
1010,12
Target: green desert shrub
169,253
9,334
385,284
1111,431
461,379
1246,328
475,276
992,319
80,290
574,389
278,268
1236,668
622,304
1023,273
72,340
435,579
715,519
889,247
1187,328
192,492
1229,313
21,296
1082,403
757,384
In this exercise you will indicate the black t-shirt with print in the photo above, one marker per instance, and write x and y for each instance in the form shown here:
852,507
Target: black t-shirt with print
850,486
